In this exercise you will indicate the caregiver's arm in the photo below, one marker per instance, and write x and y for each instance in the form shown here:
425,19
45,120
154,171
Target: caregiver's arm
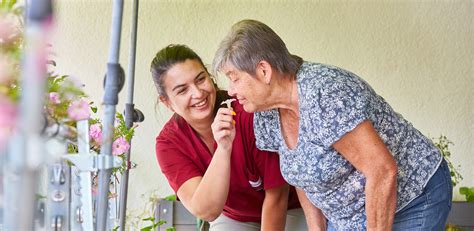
364,149
274,208
205,196
314,217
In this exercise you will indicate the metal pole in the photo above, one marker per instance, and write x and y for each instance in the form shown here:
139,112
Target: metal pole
129,112
113,84
26,154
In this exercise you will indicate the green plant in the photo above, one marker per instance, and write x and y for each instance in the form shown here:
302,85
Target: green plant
443,143
468,192
142,218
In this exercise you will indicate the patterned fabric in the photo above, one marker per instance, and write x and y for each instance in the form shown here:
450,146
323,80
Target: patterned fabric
333,102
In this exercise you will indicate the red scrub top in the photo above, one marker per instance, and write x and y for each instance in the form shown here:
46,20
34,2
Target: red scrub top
182,155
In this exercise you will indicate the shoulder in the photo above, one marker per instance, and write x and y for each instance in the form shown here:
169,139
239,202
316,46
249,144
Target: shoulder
319,74
316,79
172,131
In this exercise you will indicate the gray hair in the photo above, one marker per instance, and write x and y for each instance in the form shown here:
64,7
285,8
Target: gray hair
250,42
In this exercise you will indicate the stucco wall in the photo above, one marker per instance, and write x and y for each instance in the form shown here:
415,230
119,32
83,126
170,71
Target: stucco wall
417,54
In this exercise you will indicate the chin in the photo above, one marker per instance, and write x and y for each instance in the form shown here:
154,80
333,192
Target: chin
249,108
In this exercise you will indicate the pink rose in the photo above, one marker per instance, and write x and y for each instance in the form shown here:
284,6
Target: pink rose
8,115
54,98
79,110
120,146
95,133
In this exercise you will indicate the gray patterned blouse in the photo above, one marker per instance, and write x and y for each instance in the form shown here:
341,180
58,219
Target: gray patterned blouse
332,102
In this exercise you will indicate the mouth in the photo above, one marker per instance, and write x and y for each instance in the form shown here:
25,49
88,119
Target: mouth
200,104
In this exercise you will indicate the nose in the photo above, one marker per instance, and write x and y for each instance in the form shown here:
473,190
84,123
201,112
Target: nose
196,92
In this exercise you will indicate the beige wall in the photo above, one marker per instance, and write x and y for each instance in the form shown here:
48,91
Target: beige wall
417,54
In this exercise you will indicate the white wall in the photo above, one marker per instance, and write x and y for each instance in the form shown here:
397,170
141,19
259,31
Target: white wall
417,54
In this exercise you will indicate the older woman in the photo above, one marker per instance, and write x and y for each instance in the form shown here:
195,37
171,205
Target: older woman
357,160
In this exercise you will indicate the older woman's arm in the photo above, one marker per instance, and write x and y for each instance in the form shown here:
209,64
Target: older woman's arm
364,149
315,219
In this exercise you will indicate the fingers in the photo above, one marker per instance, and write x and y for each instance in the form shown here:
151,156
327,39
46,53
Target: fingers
224,118
223,127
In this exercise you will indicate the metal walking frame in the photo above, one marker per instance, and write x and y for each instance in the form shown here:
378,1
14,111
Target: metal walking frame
131,114
114,81
113,84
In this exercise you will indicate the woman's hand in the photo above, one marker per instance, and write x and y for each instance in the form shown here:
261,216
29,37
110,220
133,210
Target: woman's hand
223,128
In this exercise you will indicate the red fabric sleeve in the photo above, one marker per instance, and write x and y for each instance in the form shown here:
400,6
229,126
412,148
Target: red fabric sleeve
266,163
174,163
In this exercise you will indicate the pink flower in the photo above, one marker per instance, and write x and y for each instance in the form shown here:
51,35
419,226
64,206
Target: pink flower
9,32
6,69
8,115
54,97
79,110
120,146
95,133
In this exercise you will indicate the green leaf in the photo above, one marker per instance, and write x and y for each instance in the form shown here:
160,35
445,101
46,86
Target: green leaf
10,5
470,198
148,219
170,198
171,229
161,222
463,190
148,228
468,192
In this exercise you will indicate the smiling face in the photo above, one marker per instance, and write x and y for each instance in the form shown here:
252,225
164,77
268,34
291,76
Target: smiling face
190,92
251,91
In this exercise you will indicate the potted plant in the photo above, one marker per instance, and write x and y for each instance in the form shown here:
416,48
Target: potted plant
461,215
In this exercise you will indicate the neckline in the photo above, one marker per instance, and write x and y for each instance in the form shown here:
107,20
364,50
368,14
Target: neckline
278,120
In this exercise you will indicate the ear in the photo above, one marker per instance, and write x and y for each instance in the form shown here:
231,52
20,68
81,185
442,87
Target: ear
166,102
264,71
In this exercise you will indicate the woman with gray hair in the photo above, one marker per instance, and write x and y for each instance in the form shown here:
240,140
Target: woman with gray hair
350,155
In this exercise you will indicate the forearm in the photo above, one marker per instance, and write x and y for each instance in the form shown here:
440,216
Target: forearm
315,219
211,194
381,201
274,208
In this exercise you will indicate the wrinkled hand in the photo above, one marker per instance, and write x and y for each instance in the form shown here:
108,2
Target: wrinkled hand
223,128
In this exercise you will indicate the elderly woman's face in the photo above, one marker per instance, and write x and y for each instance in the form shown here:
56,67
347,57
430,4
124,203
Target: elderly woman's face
191,93
249,90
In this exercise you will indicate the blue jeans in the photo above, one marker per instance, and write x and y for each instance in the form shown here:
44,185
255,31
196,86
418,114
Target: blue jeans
429,210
